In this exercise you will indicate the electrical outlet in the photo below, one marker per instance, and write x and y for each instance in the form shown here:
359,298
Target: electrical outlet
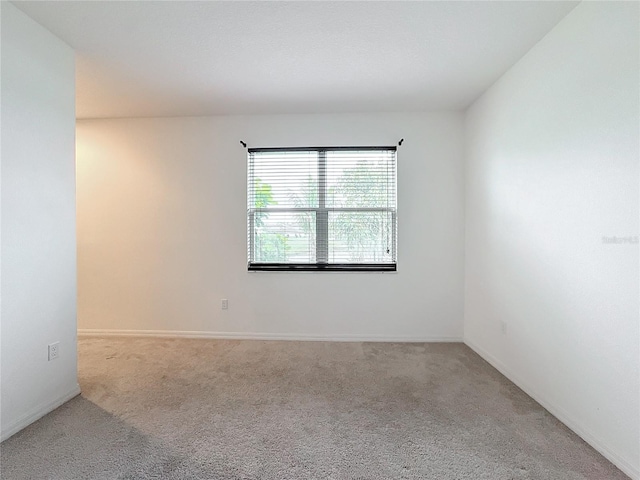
225,304
54,350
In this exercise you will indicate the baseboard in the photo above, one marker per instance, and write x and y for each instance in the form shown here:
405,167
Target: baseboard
559,413
266,336
37,413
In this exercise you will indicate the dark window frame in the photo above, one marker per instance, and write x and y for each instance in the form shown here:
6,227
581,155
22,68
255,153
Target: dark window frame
322,214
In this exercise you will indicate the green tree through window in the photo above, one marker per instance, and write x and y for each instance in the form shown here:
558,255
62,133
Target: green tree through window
271,247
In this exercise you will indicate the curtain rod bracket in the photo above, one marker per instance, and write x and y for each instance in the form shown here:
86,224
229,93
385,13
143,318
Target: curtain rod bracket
243,144
400,142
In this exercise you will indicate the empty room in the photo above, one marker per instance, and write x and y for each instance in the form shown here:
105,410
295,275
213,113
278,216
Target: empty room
320,240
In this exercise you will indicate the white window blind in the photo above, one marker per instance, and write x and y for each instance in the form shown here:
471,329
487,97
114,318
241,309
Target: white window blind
322,209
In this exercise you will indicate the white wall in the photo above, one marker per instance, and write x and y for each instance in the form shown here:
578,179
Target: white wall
162,231
38,221
552,168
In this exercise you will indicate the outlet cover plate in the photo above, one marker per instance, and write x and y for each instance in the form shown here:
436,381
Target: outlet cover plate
54,350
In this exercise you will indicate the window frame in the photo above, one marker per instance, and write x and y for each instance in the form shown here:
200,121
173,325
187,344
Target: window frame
322,217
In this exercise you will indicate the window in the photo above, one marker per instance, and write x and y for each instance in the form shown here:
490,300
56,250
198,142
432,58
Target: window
322,209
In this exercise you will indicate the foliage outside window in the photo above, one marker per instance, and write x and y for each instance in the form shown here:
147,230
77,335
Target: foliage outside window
322,209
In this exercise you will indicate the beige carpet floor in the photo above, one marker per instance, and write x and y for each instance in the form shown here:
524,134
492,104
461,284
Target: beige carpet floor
211,409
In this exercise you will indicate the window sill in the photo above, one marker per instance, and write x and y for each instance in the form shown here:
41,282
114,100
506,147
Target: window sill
278,267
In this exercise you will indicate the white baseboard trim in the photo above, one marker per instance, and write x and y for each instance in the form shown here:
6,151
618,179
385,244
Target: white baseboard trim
85,332
37,413
559,413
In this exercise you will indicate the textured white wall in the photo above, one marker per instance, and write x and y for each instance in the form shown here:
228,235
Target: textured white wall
38,283
552,168
162,230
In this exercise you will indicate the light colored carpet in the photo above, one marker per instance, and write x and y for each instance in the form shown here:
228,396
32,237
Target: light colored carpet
211,409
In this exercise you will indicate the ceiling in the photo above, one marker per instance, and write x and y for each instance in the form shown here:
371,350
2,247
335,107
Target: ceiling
165,58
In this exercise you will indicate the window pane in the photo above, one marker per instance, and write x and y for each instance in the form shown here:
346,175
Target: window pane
322,205
361,237
284,237
361,179
284,180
